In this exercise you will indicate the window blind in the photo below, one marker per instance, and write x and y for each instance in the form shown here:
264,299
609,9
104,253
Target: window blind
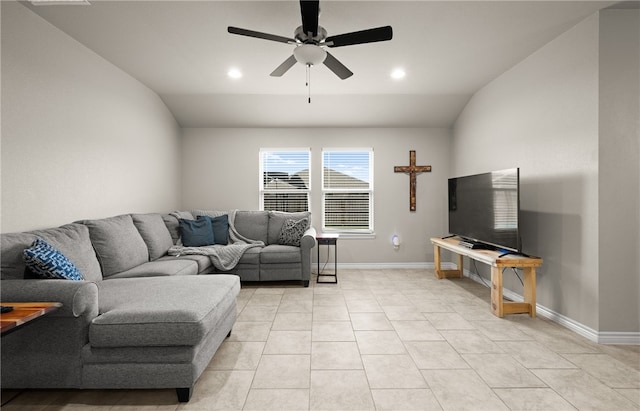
284,179
347,185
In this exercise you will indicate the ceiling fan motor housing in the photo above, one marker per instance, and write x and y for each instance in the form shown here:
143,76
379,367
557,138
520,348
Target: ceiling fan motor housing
303,37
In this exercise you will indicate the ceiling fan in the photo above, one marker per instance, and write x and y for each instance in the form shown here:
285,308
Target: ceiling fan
311,40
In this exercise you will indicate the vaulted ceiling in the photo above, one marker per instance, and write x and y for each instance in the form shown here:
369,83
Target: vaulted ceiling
449,50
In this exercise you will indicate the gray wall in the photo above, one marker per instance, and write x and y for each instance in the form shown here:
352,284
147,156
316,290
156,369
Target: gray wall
619,170
80,138
221,172
568,117
542,116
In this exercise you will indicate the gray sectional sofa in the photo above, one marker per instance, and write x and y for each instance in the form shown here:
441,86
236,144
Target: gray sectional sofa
139,318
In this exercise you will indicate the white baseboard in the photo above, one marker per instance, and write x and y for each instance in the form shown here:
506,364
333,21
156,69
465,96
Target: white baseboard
381,266
619,338
604,337
614,338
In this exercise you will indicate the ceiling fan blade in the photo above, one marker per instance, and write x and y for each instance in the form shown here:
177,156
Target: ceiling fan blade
284,67
359,37
309,9
338,68
259,35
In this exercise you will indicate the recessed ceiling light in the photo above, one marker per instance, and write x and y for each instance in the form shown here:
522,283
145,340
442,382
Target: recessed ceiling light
234,73
398,73
60,2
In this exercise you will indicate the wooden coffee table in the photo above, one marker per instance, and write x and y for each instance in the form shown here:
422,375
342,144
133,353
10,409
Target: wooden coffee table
23,313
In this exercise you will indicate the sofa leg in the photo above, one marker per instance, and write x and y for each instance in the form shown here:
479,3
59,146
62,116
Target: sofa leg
305,283
184,394
229,335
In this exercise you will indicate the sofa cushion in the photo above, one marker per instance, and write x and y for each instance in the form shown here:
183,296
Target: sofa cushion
203,261
11,247
277,219
277,254
252,224
160,268
196,233
71,239
47,262
168,311
173,225
118,244
251,256
154,232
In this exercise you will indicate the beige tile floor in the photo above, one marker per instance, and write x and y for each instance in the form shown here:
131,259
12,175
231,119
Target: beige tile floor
385,340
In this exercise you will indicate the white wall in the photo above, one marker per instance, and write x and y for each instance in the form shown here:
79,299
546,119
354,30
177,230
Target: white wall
221,173
619,170
80,138
542,116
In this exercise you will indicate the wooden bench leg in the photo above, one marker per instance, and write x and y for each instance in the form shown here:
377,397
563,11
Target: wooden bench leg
499,307
436,257
529,281
497,303
439,272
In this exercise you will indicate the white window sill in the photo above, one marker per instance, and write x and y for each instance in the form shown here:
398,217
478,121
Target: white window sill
358,236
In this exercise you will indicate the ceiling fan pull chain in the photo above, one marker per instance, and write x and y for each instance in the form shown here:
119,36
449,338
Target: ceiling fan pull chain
309,82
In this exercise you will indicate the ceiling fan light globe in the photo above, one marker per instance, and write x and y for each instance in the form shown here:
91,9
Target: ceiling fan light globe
309,54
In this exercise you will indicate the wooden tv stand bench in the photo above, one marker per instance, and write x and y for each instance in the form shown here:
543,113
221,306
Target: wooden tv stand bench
499,307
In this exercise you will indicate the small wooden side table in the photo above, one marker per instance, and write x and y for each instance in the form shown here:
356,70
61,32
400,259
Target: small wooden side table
23,313
328,239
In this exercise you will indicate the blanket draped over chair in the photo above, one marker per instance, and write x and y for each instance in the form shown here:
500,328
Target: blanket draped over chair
223,257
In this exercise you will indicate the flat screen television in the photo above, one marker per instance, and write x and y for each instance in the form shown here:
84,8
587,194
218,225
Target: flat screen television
484,209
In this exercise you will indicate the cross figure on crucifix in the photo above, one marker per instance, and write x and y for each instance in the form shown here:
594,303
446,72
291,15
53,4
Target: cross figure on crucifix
413,170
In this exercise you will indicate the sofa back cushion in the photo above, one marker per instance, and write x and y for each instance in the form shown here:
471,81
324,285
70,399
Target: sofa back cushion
252,224
118,244
71,239
154,232
277,219
11,247
173,225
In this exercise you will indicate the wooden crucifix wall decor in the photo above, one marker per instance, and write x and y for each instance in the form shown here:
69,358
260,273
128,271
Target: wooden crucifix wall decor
412,169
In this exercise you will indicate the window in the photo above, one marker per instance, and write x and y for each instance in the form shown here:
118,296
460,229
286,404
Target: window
284,179
347,190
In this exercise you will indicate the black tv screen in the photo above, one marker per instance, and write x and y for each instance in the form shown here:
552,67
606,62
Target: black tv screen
484,208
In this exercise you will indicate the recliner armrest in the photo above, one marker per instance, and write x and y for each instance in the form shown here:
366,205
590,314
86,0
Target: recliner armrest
78,298
308,240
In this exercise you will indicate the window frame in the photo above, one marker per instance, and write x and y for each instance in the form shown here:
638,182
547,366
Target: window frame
261,171
354,232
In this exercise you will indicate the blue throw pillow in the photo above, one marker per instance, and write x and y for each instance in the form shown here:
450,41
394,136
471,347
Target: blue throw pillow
44,260
196,233
220,226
